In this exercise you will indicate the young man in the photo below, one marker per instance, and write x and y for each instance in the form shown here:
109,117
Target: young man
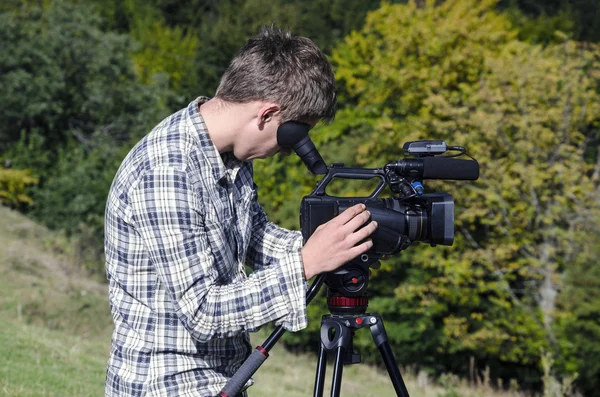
182,220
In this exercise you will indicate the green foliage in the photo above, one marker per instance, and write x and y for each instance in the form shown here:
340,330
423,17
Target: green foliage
233,22
120,15
543,28
226,25
538,18
192,43
552,386
62,77
282,182
29,153
73,197
164,50
579,324
449,382
160,52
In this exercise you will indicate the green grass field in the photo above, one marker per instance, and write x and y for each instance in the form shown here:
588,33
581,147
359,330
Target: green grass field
55,330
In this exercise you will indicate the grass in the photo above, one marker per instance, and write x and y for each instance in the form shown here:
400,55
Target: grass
54,321
55,330
42,362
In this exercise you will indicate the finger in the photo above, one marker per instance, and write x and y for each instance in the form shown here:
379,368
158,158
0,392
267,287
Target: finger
362,234
357,221
348,214
359,249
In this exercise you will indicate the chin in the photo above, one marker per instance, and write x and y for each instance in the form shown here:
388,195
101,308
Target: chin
241,156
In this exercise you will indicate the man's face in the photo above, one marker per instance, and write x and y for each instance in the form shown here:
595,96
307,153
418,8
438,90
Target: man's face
265,139
259,141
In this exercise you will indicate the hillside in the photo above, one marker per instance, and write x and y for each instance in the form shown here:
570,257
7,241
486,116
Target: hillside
54,322
55,331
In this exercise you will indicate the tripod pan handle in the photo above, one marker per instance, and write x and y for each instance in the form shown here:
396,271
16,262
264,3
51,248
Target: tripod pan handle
248,368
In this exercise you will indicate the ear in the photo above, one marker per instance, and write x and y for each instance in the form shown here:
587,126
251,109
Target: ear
266,113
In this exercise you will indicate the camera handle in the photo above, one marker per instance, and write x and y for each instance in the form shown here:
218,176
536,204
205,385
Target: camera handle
337,170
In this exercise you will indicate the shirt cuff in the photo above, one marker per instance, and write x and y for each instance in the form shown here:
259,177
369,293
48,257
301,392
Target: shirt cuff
295,287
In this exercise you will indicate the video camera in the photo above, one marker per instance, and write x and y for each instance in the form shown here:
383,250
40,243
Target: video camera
407,216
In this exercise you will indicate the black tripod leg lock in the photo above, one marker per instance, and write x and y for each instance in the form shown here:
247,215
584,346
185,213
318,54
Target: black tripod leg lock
378,332
248,368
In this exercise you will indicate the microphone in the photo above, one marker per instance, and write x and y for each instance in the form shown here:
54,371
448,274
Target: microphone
449,168
438,168
294,135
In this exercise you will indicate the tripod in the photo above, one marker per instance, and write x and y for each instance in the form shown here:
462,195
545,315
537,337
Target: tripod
337,330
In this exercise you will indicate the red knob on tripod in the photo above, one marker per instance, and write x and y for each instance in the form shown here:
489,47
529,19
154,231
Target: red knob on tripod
347,301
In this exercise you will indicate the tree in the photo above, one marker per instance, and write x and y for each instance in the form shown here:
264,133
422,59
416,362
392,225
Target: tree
579,321
538,19
458,72
224,26
72,106
63,77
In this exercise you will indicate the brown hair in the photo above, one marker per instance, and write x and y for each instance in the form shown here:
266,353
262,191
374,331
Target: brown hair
288,70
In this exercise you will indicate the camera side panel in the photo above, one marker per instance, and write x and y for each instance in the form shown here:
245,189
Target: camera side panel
315,211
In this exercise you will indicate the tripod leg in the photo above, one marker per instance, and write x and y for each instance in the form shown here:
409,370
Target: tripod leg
321,366
336,386
381,341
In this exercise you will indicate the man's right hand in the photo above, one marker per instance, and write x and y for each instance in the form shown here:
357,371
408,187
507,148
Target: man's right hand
335,242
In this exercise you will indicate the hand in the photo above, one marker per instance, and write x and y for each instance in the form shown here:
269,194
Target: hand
335,242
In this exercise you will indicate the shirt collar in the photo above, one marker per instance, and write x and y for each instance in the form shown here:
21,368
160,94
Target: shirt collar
219,164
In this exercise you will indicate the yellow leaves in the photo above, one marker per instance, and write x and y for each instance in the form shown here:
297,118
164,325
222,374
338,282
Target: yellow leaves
477,316
406,50
13,184
455,327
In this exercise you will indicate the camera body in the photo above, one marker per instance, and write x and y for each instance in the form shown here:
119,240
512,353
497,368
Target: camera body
426,217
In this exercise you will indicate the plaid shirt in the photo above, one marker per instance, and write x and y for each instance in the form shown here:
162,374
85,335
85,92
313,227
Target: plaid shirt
181,223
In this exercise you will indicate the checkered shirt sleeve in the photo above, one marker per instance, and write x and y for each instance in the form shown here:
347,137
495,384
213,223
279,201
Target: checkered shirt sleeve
169,217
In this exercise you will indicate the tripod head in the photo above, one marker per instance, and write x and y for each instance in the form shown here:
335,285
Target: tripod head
347,287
